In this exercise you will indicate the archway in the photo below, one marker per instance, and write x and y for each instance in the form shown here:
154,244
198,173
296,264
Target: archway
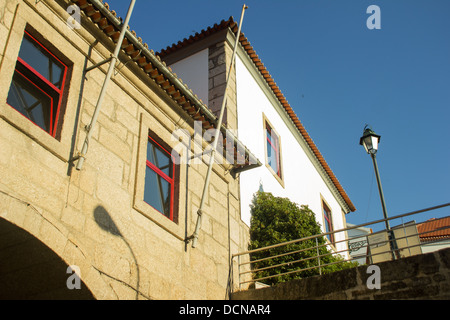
29,270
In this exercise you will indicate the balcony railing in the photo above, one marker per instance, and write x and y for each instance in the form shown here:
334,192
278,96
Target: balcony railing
366,247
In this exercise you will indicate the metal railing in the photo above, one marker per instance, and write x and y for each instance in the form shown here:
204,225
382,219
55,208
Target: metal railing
312,255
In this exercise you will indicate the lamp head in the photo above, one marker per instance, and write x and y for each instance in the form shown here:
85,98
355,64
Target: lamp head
369,140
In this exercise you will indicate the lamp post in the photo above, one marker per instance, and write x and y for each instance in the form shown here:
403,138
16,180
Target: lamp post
370,142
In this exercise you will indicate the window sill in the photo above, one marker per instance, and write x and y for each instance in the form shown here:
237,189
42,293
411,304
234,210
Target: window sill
157,217
34,132
280,181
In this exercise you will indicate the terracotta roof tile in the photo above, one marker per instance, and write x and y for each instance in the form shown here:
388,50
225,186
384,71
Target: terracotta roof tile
434,229
230,23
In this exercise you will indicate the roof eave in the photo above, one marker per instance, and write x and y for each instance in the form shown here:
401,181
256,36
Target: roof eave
173,81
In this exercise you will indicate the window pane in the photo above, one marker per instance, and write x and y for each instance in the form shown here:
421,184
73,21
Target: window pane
269,134
33,103
327,226
57,75
274,140
273,152
272,157
157,192
42,61
327,222
159,158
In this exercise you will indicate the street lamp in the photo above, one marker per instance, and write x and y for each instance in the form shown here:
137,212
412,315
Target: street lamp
370,142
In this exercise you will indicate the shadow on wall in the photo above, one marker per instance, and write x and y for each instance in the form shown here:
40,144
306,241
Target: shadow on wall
29,270
104,221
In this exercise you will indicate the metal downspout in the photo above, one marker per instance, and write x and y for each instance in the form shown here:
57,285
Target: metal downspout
112,65
194,237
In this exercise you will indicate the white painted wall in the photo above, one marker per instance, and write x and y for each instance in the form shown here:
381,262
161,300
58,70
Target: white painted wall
303,184
193,70
430,247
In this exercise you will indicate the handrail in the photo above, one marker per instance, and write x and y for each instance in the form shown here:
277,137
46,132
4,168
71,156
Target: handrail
340,230
398,251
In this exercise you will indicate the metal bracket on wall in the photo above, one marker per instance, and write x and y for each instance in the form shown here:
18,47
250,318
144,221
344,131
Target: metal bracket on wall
235,171
98,64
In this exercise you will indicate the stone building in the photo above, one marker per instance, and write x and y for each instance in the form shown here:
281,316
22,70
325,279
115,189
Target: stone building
122,213
124,220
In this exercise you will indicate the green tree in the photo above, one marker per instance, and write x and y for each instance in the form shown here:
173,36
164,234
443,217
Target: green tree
276,220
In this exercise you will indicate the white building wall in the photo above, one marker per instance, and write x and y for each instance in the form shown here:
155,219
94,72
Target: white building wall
302,182
193,70
435,246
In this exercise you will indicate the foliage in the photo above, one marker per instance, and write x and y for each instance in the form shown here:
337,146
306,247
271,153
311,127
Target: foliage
276,220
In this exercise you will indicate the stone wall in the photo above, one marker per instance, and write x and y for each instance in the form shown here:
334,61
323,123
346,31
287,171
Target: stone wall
96,218
219,62
425,276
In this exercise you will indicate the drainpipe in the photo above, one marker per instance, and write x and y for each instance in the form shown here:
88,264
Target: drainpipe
194,237
112,65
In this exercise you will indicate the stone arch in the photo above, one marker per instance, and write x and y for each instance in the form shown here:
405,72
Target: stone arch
29,269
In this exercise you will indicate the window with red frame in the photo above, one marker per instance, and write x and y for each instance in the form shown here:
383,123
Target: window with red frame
37,87
328,222
159,179
273,150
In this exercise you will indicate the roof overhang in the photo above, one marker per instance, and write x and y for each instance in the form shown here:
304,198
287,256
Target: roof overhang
168,81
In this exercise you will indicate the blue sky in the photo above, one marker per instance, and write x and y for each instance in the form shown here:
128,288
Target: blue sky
339,76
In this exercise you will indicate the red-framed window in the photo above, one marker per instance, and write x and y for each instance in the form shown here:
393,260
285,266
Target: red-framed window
273,150
328,222
38,83
159,190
